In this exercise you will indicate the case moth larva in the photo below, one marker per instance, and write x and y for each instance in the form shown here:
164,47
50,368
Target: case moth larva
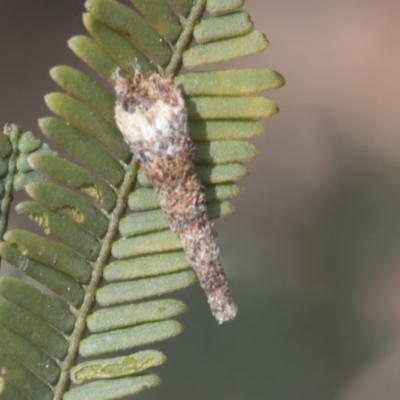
151,114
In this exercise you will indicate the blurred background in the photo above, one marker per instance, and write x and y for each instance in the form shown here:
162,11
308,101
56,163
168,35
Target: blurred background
312,252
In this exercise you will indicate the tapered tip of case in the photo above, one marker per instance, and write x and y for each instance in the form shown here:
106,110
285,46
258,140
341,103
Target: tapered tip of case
223,308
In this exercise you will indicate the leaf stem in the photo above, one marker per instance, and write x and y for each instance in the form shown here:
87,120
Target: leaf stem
89,299
180,46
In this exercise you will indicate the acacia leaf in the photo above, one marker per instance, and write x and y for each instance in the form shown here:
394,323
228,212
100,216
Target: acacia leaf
95,222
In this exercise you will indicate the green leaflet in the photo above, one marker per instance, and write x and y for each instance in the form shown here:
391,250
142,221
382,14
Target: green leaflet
127,338
36,360
101,389
146,244
231,25
63,285
91,54
145,266
121,50
66,202
27,143
42,250
121,292
71,175
134,314
82,149
83,88
32,328
126,21
3,170
225,50
79,203
230,107
210,130
88,123
5,146
21,377
161,17
9,392
117,367
61,228
218,7
40,305
229,83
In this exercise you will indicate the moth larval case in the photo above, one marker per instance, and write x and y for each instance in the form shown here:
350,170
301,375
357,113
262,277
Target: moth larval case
151,114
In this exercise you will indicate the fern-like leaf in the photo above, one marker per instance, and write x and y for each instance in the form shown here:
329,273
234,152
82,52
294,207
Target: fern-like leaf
8,160
80,202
